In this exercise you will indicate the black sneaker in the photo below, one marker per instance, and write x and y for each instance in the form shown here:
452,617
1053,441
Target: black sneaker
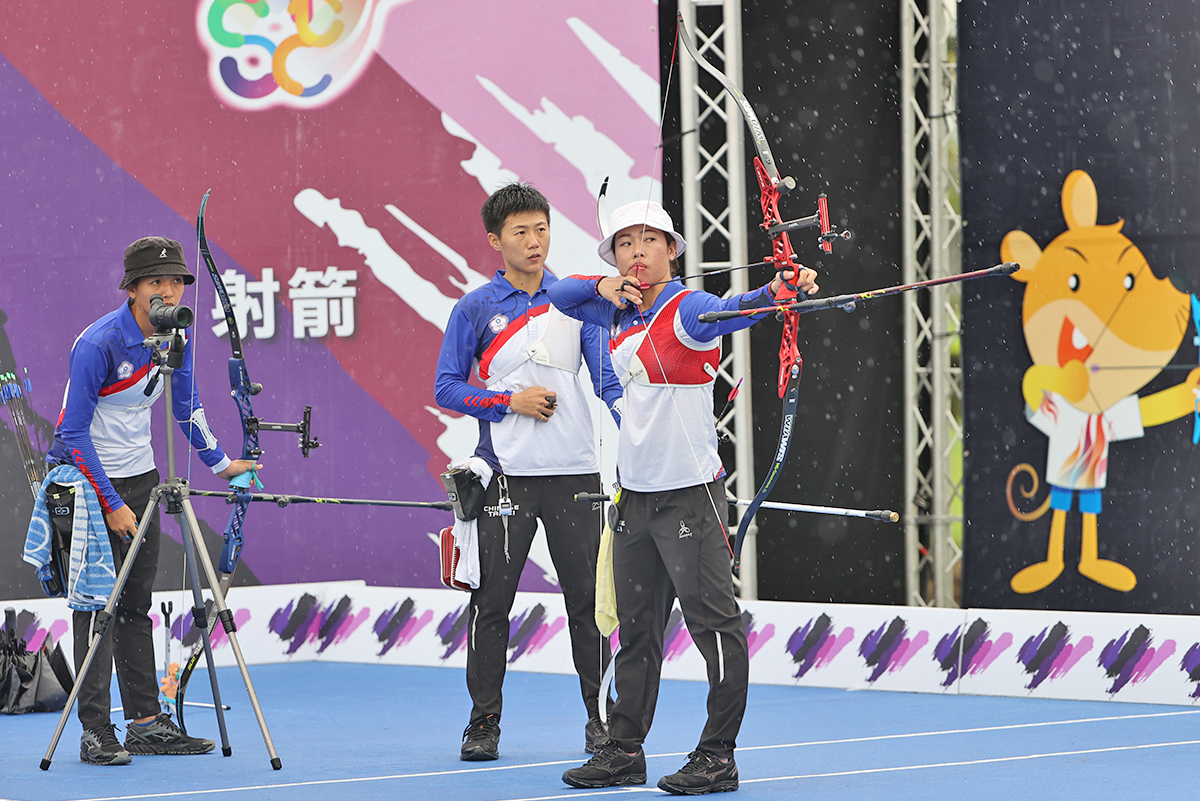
99,746
703,774
162,736
481,740
610,767
592,732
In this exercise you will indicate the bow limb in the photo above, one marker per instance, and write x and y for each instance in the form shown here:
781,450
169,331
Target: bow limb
771,188
786,429
242,390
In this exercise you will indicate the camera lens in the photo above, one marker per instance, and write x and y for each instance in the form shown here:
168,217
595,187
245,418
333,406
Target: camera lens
165,318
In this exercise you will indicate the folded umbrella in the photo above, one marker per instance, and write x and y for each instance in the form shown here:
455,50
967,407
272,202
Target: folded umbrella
38,681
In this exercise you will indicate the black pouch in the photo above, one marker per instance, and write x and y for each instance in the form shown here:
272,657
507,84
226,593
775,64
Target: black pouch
60,503
464,491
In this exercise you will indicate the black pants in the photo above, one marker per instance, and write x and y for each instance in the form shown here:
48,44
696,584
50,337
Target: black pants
130,637
573,534
668,545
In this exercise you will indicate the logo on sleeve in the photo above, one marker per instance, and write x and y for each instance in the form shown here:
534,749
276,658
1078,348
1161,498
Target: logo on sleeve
124,370
498,323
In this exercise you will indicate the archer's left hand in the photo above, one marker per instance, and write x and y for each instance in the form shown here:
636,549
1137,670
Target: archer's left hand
236,468
804,279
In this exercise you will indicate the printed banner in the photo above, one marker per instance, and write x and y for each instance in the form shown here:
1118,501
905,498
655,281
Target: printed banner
1015,653
348,147
1082,417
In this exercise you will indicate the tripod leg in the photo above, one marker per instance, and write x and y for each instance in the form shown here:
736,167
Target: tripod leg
201,624
103,619
226,618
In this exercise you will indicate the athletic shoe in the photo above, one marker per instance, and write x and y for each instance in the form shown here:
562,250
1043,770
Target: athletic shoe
99,746
592,732
481,740
610,767
162,736
703,774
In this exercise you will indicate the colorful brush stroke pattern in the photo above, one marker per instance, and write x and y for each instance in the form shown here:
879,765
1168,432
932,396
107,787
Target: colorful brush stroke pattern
400,624
888,648
1133,658
970,653
816,643
304,620
1050,654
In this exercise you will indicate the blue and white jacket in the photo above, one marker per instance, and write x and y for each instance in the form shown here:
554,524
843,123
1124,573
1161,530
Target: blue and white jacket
511,341
104,426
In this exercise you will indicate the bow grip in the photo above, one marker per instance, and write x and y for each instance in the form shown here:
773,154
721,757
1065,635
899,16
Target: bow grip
242,481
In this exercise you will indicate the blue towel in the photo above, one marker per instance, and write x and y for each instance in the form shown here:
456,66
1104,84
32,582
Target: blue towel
92,576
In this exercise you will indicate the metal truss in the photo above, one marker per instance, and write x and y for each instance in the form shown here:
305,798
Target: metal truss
714,222
931,248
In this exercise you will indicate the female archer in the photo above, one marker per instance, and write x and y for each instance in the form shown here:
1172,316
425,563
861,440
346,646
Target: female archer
671,540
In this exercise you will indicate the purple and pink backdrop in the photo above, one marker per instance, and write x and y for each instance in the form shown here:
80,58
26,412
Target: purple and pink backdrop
352,166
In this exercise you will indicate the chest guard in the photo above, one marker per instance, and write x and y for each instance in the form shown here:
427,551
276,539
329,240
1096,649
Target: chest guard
557,346
662,359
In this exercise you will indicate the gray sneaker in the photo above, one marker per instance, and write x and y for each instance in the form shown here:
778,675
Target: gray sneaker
162,736
99,746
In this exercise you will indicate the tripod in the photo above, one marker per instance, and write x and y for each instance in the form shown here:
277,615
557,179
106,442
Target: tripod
173,493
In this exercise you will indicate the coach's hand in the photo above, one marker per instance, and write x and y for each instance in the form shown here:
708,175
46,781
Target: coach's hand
122,522
535,402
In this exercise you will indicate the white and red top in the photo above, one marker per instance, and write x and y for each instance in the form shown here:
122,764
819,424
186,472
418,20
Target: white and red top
668,436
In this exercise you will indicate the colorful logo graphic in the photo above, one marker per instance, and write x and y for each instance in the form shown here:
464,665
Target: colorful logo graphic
530,631
888,648
815,644
304,621
1132,658
296,53
970,653
1051,654
398,625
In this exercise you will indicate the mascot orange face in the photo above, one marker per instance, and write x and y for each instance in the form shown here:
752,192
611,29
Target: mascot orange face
1099,326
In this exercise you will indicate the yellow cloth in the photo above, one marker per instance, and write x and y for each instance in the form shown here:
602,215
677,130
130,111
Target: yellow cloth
606,591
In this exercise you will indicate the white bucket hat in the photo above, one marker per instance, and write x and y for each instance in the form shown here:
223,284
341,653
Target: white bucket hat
641,212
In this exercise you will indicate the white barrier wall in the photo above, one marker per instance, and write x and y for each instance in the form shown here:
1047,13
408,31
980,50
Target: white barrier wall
1018,653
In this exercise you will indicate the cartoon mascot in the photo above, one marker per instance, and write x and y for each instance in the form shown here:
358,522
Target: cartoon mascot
1099,326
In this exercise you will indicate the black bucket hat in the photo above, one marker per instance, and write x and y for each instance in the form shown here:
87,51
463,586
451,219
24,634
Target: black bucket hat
154,255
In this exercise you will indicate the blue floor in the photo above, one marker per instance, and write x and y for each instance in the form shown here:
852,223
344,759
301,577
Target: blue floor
376,732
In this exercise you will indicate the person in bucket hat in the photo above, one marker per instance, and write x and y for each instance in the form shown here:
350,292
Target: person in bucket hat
104,431
670,540
154,255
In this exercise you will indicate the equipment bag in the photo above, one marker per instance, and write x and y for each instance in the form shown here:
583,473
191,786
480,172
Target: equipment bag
450,555
60,503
